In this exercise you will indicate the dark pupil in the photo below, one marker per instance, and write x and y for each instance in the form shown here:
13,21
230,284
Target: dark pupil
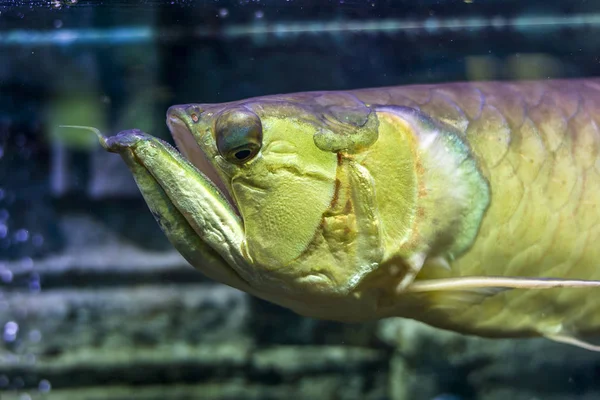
242,154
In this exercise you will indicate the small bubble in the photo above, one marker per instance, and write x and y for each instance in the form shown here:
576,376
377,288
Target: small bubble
35,336
3,231
58,23
25,396
22,235
4,213
6,275
9,338
259,14
223,12
11,327
37,240
44,386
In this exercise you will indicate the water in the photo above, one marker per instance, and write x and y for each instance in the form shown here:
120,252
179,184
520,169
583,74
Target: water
94,301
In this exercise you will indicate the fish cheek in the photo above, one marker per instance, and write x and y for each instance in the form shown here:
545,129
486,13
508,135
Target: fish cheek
283,214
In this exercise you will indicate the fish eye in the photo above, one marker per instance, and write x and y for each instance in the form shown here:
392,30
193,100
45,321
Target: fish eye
239,135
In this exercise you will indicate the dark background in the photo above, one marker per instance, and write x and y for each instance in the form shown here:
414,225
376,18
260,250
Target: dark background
81,258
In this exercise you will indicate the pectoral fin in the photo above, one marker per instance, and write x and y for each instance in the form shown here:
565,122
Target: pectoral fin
450,293
499,282
573,341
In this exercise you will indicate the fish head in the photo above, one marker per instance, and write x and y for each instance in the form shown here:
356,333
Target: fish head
315,201
263,157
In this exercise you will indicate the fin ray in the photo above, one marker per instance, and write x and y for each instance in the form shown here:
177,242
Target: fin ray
480,282
572,340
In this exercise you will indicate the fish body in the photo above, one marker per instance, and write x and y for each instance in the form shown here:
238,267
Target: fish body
468,206
537,144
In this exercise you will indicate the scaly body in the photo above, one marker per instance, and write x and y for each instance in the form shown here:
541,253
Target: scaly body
538,145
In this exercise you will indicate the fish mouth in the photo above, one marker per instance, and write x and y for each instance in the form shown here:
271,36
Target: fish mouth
191,150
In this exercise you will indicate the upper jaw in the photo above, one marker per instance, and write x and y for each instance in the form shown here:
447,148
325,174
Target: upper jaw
180,115
181,125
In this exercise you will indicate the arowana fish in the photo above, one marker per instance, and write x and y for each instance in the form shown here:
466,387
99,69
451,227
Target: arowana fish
471,207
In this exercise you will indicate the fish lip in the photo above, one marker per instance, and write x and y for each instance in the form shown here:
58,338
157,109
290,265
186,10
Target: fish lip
180,130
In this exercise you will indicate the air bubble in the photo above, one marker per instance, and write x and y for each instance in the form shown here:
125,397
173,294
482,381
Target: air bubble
22,235
44,386
6,275
11,328
9,338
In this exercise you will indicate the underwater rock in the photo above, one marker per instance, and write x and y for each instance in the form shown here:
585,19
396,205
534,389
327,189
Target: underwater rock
430,361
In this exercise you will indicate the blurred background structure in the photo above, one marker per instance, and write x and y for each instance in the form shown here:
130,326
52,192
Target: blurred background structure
95,303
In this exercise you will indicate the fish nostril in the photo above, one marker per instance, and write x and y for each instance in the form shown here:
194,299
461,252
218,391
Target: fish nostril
194,112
